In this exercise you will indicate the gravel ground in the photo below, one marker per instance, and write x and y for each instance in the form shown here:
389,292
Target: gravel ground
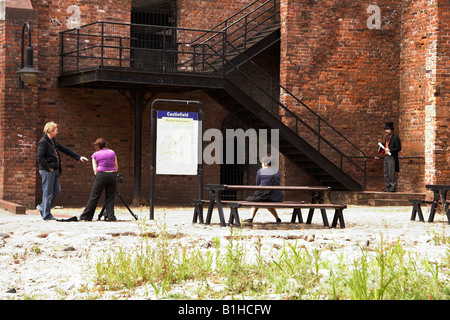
54,260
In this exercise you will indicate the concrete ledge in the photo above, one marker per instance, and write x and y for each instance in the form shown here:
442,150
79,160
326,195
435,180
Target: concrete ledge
12,207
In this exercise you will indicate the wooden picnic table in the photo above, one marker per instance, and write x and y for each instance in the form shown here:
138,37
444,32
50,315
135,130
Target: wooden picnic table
439,194
215,191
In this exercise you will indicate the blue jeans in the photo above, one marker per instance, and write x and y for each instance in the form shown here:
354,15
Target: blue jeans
51,188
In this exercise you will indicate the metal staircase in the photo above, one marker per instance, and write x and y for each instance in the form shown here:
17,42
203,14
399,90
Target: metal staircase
315,145
219,61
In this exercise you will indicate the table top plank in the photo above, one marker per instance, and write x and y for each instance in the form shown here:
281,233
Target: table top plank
255,187
438,186
288,205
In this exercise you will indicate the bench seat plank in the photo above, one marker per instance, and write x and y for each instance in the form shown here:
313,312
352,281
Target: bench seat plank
296,214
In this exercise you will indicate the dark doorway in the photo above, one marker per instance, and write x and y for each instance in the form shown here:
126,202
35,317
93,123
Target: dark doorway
231,173
153,46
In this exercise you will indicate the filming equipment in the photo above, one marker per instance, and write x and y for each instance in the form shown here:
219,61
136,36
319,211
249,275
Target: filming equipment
119,180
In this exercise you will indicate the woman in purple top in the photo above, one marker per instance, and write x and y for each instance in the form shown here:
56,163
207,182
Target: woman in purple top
104,164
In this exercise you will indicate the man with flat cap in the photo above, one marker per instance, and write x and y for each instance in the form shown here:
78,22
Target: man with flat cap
391,147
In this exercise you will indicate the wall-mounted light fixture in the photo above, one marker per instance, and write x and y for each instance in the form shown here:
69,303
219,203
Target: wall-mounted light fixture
28,74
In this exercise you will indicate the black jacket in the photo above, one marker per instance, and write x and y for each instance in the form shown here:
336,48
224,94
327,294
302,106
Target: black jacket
46,155
395,146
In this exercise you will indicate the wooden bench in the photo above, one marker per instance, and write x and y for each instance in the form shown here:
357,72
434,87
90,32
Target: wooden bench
296,206
296,214
216,191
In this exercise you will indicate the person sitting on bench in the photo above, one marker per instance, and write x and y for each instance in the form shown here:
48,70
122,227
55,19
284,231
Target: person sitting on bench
267,176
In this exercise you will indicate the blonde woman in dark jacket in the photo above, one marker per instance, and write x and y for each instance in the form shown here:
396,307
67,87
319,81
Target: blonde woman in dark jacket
49,159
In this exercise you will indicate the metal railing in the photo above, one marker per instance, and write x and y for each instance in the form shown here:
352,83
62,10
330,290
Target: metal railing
127,46
239,30
162,48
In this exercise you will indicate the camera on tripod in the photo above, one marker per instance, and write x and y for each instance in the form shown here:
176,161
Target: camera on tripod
119,178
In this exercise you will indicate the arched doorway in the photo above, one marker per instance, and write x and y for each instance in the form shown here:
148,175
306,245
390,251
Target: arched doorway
232,173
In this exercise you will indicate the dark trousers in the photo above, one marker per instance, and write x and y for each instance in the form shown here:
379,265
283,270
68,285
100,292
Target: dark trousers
389,173
103,181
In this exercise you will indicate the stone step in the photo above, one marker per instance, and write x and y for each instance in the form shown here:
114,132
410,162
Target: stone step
12,207
388,203
389,195
377,199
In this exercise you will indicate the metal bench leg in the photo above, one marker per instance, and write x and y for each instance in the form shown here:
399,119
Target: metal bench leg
432,211
198,213
338,215
324,217
447,212
413,212
419,212
234,216
210,210
416,210
220,210
297,213
310,216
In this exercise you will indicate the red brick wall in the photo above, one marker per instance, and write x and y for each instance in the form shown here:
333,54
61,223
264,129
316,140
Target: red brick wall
424,111
441,157
83,115
207,13
343,70
17,113
355,77
413,85
2,104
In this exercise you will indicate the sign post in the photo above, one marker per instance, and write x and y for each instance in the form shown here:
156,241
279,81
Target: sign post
176,143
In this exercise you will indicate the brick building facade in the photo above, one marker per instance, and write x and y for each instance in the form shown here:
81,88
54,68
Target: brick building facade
357,64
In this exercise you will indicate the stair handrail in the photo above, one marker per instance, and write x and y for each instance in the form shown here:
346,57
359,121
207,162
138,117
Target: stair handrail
225,30
291,113
229,45
235,14
248,60
247,22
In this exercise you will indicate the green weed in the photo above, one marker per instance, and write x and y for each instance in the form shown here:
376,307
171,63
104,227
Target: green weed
225,269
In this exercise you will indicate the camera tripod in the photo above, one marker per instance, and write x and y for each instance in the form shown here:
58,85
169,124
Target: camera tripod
104,208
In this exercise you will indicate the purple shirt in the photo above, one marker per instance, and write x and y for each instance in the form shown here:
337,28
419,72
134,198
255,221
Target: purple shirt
105,159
